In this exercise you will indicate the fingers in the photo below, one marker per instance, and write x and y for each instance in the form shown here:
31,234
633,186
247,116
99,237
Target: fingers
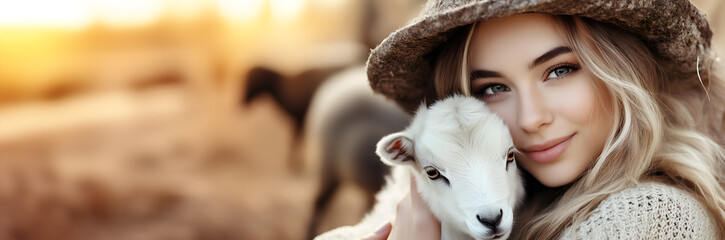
414,194
380,234
419,207
414,219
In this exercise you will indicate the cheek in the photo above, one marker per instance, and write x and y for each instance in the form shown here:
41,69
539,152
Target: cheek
575,102
507,110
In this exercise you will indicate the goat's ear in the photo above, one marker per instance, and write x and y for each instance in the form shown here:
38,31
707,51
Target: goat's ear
395,149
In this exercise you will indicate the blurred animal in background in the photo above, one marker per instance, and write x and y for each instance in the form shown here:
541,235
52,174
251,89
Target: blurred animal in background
337,129
345,121
292,93
293,90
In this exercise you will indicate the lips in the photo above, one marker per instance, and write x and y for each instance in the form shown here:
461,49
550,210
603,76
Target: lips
548,151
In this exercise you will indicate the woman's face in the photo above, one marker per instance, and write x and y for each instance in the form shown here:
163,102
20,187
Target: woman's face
558,115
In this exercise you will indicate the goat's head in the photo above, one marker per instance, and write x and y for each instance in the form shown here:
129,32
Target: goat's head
463,160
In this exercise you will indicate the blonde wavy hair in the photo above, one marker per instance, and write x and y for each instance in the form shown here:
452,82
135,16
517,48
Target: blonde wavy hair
669,128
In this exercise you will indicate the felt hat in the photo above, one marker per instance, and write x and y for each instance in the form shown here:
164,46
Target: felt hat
401,69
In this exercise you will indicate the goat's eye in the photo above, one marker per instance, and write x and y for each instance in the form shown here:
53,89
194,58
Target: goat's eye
432,172
511,156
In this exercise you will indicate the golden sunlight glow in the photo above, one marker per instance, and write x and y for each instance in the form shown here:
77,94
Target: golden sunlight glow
76,14
331,4
286,10
45,13
129,12
241,10
187,9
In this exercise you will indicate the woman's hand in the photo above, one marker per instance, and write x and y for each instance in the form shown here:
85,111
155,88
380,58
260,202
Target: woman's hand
414,220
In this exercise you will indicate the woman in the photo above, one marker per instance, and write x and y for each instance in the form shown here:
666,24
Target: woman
617,108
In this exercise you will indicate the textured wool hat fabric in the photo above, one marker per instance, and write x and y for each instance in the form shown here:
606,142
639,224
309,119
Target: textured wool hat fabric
674,30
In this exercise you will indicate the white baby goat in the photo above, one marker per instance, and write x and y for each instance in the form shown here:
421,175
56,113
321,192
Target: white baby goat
462,158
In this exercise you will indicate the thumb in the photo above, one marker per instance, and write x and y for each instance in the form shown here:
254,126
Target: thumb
380,234
418,204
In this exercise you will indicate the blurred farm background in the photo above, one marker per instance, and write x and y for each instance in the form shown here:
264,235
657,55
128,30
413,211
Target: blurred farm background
191,119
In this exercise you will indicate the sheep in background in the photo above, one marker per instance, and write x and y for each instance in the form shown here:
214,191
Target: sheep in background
346,120
462,158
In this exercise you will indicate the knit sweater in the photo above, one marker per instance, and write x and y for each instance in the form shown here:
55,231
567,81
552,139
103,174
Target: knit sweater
647,211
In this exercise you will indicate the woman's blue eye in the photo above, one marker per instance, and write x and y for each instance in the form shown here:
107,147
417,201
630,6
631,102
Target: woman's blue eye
561,71
495,88
490,90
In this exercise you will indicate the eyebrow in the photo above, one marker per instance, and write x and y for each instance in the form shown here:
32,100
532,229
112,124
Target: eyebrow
549,55
543,58
483,74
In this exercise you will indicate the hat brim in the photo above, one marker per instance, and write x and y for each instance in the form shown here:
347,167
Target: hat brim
398,68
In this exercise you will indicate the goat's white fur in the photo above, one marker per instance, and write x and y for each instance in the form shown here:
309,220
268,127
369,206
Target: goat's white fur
468,144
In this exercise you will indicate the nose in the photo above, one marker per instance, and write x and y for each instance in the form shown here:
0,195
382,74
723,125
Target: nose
533,113
490,221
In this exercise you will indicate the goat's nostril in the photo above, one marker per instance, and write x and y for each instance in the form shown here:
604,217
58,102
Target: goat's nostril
491,222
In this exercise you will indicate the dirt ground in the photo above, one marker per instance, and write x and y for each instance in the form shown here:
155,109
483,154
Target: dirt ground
154,167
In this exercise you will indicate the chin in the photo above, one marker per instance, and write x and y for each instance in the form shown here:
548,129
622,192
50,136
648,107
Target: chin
555,177
556,183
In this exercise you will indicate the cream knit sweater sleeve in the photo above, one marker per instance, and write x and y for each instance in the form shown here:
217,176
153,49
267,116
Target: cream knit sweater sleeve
647,211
